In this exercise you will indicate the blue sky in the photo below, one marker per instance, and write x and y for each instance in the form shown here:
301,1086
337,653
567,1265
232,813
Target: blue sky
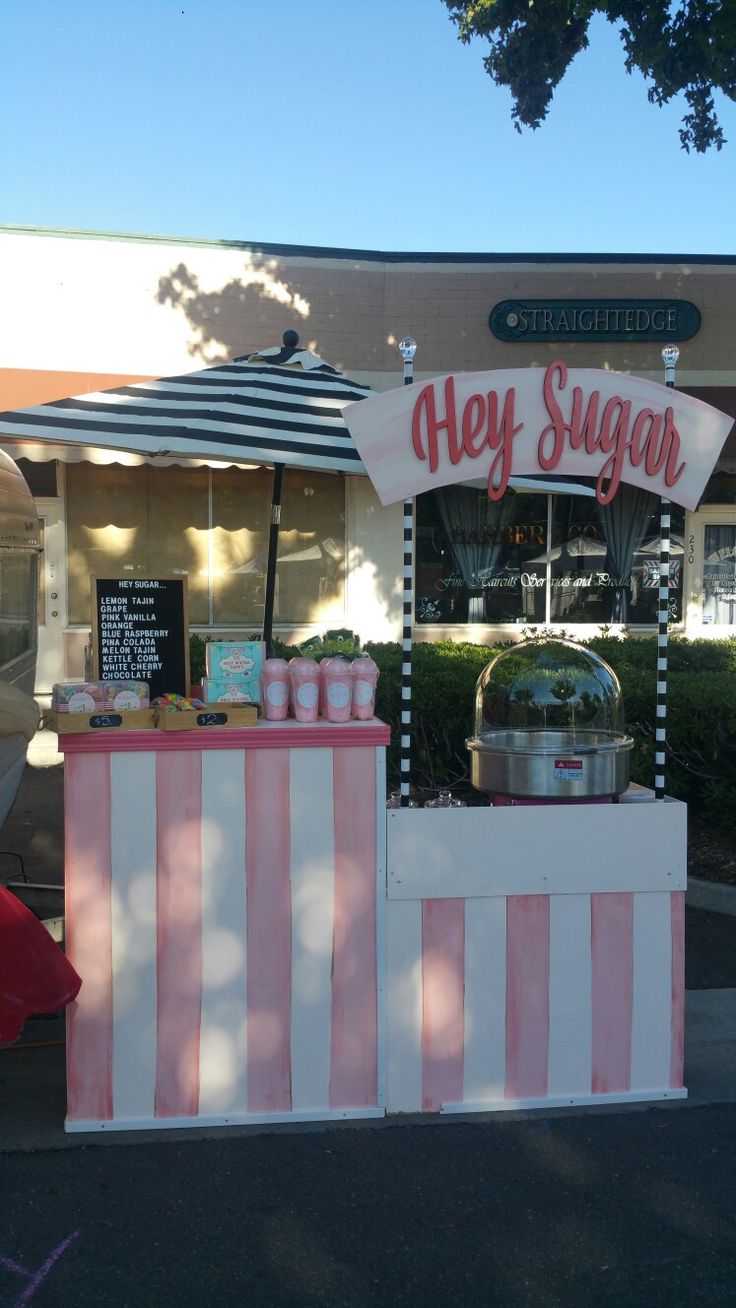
349,123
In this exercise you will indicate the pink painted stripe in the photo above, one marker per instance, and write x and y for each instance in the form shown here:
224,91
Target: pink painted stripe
527,996
354,1049
268,879
677,1043
178,933
262,735
612,947
443,1002
89,937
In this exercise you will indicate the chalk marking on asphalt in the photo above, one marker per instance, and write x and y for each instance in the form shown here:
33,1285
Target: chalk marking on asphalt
35,1279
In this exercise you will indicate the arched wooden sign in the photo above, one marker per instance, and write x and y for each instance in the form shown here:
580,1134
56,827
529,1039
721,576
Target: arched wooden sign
579,422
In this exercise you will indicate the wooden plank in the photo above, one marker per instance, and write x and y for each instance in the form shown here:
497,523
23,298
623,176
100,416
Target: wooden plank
569,995
485,998
527,851
312,843
133,919
404,1002
651,1021
223,1028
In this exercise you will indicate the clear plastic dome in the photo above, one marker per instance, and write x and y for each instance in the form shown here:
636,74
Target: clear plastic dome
548,685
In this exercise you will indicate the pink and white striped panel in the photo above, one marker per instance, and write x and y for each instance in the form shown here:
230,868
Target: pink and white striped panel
528,1000
223,913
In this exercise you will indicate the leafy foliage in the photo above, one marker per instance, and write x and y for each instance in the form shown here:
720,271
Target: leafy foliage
689,47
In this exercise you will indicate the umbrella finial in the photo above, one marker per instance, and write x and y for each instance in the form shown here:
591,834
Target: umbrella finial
290,339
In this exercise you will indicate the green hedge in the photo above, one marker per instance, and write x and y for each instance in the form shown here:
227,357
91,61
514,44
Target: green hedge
701,713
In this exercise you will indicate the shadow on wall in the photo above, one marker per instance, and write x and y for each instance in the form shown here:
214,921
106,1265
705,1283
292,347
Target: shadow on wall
258,305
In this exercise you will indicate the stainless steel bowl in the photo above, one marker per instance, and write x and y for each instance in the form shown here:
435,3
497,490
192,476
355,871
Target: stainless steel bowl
572,764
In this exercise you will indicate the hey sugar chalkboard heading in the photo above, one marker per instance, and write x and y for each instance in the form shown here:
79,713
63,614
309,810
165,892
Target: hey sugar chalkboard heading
140,631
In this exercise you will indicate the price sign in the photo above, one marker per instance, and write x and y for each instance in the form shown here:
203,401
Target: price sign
140,631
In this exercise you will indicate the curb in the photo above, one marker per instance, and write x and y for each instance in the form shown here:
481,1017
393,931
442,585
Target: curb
713,896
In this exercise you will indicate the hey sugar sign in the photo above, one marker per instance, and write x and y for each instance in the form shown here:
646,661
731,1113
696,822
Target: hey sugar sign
578,422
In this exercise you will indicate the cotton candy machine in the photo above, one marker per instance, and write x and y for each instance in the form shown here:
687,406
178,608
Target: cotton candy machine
549,724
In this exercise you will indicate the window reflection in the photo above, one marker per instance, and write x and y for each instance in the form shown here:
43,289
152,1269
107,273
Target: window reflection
212,525
493,563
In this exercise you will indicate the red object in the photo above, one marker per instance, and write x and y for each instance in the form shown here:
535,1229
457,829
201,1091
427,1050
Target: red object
35,974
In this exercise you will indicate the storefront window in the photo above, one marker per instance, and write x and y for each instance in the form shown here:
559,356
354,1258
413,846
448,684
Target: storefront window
17,604
719,574
213,526
537,558
477,561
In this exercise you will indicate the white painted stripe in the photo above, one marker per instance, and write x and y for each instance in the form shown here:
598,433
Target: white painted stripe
133,850
223,1039
661,710
553,1101
652,996
404,1000
570,1003
485,998
501,850
662,665
312,909
236,1119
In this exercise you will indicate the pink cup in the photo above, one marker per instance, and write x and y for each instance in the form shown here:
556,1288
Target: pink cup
365,678
276,686
304,677
338,690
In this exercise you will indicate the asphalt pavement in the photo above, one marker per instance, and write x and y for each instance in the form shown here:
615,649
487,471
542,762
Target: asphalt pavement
612,1205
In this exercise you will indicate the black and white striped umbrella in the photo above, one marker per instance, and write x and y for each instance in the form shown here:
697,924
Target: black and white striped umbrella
283,406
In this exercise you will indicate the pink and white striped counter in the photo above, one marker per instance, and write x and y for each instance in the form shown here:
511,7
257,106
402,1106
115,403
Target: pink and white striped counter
535,956
225,894
258,940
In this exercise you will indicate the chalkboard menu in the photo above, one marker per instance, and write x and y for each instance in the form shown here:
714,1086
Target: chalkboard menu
140,631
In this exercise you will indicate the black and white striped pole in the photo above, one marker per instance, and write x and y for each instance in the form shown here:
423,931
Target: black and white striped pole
670,355
407,349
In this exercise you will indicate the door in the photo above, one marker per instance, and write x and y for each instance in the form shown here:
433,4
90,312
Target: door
51,597
712,555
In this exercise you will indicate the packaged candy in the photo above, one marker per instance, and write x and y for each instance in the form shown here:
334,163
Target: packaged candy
226,659
80,697
232,690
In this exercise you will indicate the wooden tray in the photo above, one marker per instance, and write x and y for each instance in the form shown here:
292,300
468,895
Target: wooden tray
65,724
212,715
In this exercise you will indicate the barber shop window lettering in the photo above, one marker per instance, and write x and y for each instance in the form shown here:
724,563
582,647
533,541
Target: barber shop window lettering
536,558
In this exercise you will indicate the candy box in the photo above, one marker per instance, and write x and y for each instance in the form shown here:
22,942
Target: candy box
231,690
226,659
128,694
79,696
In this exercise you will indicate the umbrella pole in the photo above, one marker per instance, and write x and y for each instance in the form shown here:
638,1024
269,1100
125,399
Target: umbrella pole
273,549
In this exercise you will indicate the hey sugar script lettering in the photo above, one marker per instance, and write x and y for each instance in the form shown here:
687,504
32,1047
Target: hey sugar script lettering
578,420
